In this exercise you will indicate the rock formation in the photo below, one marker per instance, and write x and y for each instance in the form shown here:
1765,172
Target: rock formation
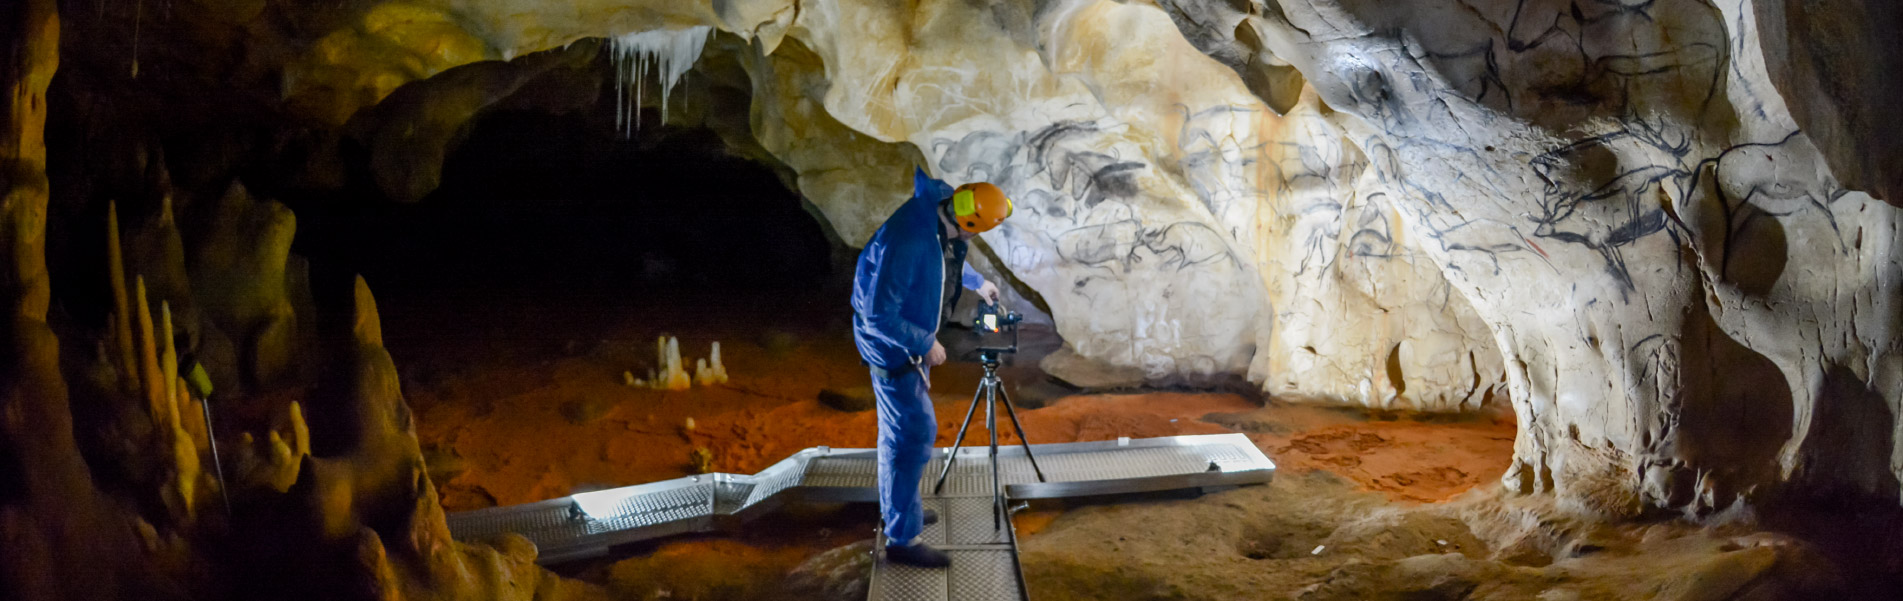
61,535
1690,306
1659,230
1607,215
101,453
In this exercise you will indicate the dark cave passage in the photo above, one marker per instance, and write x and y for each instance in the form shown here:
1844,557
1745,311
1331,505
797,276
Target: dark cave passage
536,201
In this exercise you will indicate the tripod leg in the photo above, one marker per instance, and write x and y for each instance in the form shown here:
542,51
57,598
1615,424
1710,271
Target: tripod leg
1026,440
991,423
211,437
939,487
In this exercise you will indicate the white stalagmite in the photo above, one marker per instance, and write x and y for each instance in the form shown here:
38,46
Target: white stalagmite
660,361
670,375
708,372
670,53
676,377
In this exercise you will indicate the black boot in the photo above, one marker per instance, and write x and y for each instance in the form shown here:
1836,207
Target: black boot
917,554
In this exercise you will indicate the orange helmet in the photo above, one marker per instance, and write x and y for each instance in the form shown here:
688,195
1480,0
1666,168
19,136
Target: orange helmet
980,206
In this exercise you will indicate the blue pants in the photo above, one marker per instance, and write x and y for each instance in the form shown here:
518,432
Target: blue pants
907,429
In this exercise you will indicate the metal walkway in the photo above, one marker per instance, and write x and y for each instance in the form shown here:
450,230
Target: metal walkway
984,560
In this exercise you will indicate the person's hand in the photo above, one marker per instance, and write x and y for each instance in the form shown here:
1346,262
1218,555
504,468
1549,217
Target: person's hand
937,356
989,292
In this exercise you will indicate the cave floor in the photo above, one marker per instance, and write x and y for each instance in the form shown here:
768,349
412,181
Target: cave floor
521,397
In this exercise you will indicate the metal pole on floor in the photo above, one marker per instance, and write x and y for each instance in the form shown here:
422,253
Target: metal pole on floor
200,383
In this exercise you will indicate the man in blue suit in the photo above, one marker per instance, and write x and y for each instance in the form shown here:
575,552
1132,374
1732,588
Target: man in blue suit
902,290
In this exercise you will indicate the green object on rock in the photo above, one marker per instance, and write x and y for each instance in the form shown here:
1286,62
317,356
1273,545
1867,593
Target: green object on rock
198,381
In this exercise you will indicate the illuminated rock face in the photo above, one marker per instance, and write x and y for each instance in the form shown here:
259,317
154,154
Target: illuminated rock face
1172,222
1690,307
1131,161
1607,214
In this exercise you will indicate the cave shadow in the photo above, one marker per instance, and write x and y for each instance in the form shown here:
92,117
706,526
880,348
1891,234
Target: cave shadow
1843,497
531,200
1735,411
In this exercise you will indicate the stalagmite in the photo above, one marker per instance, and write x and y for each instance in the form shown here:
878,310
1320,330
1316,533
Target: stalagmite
165,412
284,464
168,367
284,458
669,52
191,414
122,315
300,432
708,372
149,383
670,376
676,377
185,466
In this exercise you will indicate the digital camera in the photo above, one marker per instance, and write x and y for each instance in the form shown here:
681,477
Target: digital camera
995,318
997,329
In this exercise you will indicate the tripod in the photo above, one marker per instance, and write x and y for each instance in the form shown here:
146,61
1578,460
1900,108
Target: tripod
990,392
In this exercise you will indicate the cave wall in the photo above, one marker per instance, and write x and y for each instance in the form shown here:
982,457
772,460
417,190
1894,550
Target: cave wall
104,491
1616,216
1608,213
1154,179
53,520
1691,308
1141,164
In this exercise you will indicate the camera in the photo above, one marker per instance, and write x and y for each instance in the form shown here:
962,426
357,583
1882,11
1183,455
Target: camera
997,330
995,318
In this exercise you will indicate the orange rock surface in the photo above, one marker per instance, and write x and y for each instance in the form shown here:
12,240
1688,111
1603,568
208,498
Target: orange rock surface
514,427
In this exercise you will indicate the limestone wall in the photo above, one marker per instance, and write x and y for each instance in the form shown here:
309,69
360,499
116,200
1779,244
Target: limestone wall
1171,221
1685,297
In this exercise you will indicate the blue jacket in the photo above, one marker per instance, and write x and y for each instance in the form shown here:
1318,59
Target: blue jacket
897,289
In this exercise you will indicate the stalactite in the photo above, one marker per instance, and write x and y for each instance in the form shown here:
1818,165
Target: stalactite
138,20
670,52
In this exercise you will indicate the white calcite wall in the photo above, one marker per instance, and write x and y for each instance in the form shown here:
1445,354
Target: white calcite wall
1690,308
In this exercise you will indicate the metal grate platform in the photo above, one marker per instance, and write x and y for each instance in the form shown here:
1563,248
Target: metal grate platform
984,557
588,524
